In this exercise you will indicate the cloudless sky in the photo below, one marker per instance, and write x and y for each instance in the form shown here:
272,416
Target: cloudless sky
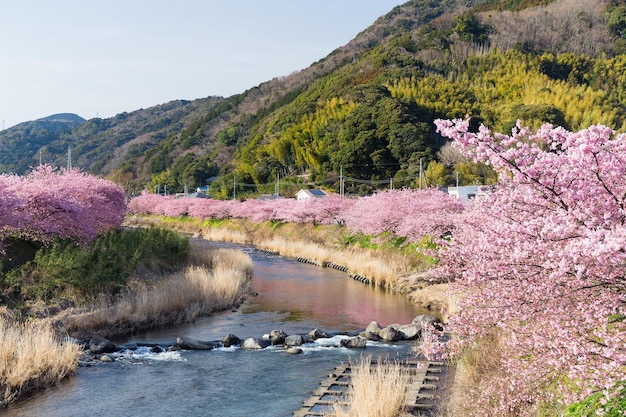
101,58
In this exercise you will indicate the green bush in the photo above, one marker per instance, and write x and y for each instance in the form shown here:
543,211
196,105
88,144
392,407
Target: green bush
64,268
593,405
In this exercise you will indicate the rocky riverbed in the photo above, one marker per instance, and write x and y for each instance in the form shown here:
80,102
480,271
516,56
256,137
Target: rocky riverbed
98,348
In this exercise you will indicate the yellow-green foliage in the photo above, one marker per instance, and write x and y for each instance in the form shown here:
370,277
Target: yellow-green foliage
306,142
373,121
500,87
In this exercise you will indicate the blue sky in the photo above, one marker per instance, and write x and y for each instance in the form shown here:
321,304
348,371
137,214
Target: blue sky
98,59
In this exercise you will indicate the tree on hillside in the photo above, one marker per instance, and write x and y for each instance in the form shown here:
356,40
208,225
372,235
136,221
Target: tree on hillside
450,156
617,21
541,264
469,28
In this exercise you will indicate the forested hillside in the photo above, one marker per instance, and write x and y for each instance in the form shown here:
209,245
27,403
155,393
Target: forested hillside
366,111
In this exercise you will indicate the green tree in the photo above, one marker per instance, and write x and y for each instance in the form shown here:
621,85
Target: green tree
436,174
469,28
472,173
617,21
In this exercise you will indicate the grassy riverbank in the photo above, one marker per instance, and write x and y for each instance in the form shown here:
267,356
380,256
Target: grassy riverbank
34,350
213,280
402,269
32,357
375,391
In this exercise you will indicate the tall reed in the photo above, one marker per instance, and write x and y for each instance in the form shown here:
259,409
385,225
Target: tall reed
375,391
216,280
475,369
32,357
317,243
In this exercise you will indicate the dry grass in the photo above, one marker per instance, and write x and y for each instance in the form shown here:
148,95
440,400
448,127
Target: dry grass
32,357
479,363
375,391
317,243
382,267
224,235
218,279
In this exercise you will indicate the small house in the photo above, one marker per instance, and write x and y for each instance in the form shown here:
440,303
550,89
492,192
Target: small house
305,195
468,192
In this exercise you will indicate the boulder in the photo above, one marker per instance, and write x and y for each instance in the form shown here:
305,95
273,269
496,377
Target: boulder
293,350
353,343
390,334
106,358
277,337
192,344
428,319
410,331
98,344
317,334
254,343
294,340
230,340
157,349
373,328
370,336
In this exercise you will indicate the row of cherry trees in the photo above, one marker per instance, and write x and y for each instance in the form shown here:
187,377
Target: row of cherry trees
410,214
69,204
542,262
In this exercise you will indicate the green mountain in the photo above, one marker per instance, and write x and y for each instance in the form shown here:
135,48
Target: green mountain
20,145
367,109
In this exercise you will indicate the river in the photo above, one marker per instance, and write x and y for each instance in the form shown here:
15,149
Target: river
292,296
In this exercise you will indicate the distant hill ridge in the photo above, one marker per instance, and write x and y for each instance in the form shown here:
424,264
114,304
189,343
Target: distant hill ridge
62,117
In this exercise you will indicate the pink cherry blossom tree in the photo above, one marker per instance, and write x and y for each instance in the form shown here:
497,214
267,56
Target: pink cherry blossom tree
45,205
542,261
404,213
10,221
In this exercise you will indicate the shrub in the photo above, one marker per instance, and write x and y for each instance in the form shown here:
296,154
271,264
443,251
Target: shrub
597,405
65,268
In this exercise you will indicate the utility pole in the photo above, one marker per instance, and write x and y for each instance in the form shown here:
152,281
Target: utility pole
421,169
234,187
341,186
69,158
277,191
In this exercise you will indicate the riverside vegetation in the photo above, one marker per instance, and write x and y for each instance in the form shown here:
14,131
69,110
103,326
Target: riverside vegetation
534,267
529,224
34,350
69,269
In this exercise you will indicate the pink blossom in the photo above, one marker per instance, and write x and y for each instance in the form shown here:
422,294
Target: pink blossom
45,205
543,259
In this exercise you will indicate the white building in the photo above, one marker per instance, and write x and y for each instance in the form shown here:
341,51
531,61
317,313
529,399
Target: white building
468,192
304,195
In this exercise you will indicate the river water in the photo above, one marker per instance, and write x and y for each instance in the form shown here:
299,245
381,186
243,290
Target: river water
292,296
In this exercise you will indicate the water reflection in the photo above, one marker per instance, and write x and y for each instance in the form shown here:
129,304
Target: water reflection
269,383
